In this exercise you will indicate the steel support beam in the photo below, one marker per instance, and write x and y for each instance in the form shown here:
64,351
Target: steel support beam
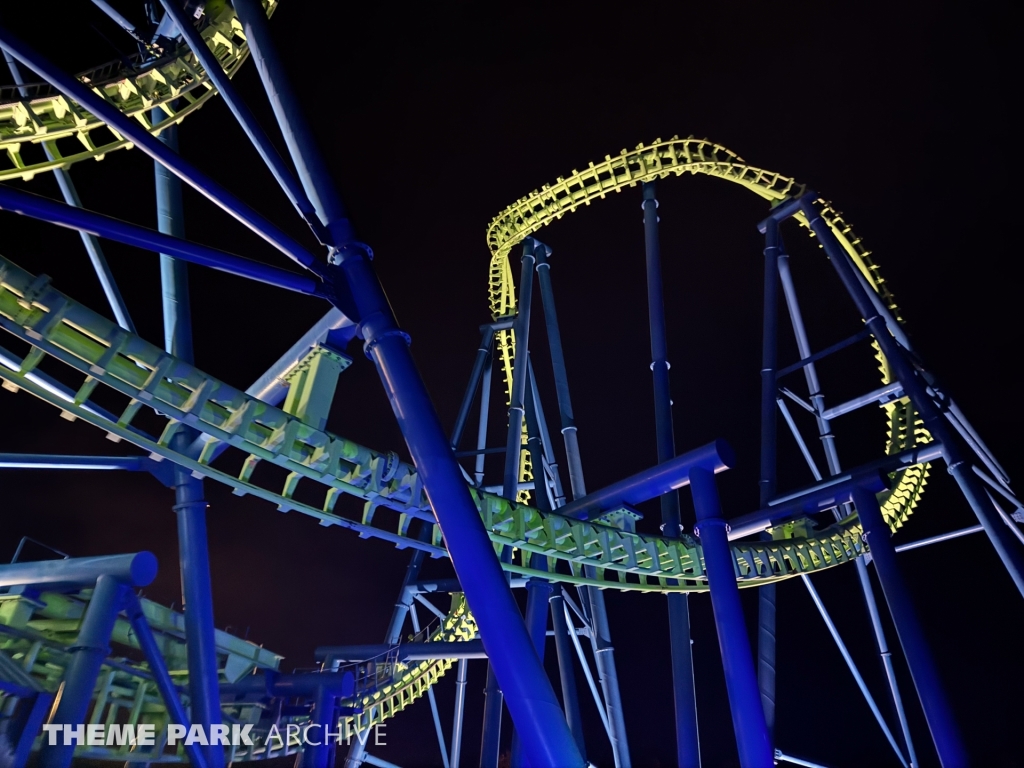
741,681
683,691
1009,550
190,504
945,734
600,636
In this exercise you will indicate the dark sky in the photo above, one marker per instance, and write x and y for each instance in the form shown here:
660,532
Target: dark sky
432,119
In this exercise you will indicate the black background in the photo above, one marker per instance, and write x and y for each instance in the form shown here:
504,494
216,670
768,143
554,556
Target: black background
432,119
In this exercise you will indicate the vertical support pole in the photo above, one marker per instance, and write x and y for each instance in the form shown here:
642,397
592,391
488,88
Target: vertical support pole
600,637
460,708
190,504
520,375
566,671
832,461
945,734
87,655
90,241
744,698
1009,551
684,693
318,755
769,365
432,697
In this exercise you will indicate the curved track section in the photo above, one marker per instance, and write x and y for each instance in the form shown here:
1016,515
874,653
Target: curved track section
175,84
676,157
279,451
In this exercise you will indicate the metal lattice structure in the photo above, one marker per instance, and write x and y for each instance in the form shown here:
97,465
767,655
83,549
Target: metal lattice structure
565,546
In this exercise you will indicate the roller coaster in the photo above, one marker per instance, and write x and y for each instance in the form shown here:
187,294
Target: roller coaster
563,544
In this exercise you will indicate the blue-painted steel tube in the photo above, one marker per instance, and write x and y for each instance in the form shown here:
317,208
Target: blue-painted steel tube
566,669
650,483
483,356
132,130
158,668
520,673
999,534
70,194
943,728
767,481
137,570
245,118
684,693
520,374
190,504
741,681
537,593
87,655
38,207
600,637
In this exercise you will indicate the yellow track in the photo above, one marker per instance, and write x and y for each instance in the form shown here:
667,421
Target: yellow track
177,85
677,156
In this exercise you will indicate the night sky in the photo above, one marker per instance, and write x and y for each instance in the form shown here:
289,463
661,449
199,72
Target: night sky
432,119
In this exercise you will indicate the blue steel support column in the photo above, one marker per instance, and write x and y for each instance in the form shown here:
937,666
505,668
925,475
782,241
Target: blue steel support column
684,693
566,669
190,504
741,681
600,638
520,375
769,365
530,698
1009,551
538,591
945,734
92,245
87,655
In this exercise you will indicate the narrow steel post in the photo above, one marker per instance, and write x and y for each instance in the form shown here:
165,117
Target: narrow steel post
70,193
1009,551
600,637
460,708
481,429
318,755
741,681
769,366
87,655
684,693
190,504
520,375
538,591
941,724
566,671
531,699
491,732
